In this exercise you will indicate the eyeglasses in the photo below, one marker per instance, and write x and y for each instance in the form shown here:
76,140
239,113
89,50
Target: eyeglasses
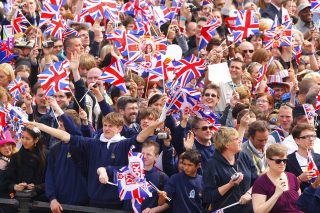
262,101
208,95
58,46
205,128
287,104
310,137
247,51
278,161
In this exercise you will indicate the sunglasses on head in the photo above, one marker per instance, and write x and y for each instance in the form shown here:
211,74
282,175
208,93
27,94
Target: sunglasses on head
278,161
246,51
208,95
205,128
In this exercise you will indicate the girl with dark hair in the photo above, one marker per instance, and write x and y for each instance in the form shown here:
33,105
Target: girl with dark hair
26,170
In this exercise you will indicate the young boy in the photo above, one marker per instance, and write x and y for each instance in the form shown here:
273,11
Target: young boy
185,188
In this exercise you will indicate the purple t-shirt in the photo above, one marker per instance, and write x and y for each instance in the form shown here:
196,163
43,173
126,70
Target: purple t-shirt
287,201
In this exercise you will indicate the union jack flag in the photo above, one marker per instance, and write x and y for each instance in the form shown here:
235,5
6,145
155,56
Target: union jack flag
141,25
82,16
207,32
230,22
218,211
247,24
16,117
131,181
318,102
6,55
16,87
3,123
175,7
162,14
48,12
127,8
262,73
309,110
188,68
297,53
279,35
120,38
113,74
56,27
101,8
312,167
315,6
20,24
55,78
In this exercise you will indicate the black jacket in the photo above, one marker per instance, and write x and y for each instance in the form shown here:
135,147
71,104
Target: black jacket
218,172
25,167
294,167
271,12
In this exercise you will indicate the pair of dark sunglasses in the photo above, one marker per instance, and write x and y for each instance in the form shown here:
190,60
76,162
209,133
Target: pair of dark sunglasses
278,161
205,128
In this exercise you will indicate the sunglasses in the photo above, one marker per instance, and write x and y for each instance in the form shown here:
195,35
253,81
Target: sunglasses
205,128
208,95
278,161
246,51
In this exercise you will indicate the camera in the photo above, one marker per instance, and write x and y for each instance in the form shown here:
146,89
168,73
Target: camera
47,44
163,135
194,8
21,5
235,176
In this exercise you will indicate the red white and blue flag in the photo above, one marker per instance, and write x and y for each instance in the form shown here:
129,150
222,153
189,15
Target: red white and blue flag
68,32
15,118
188,68
131,181
114,74
16,87
55,78
20,24
279,35
297,53
262,73
3,123
312,167
207,32
102,8
120,38
56,26
162,14
6,55
318,102
48,12
247,24
309,110
315,6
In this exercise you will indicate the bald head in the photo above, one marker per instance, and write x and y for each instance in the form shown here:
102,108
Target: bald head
93,75
191,29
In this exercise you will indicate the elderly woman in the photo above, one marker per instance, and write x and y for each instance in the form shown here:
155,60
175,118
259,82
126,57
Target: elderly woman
304,135
6,74
7,149
276,190
229,174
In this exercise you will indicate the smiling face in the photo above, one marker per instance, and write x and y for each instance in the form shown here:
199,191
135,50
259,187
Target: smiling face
6,149
110,130
210,98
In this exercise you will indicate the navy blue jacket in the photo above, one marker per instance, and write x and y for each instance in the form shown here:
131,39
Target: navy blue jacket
169,161
218,172
63,176
185,193
206,153
154,177
309,201
99,155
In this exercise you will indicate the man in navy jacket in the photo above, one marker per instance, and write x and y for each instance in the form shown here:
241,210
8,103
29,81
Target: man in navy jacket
110,150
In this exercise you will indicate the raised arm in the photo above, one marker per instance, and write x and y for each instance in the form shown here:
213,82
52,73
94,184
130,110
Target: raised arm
57,133
149,131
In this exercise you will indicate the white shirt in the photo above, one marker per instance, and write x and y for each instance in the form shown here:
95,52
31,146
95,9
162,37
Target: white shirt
292,146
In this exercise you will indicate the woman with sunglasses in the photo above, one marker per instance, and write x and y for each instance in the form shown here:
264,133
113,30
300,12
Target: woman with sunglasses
210,96
229,174
298,162
276,190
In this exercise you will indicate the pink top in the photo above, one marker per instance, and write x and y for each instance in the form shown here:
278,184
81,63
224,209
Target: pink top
287,201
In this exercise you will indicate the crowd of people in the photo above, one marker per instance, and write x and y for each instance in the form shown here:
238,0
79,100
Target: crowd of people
260,155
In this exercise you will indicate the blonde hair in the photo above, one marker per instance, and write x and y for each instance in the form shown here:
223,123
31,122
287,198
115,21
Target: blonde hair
87,61
114,118
8,70
244,92
313,75
223,137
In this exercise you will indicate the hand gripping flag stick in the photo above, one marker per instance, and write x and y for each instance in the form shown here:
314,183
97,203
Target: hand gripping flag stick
156,188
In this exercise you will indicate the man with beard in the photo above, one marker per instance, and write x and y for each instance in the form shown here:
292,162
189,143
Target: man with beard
128,107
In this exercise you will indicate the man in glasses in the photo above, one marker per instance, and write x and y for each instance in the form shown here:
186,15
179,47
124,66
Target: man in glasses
203,132
247,50
256,145
302,114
